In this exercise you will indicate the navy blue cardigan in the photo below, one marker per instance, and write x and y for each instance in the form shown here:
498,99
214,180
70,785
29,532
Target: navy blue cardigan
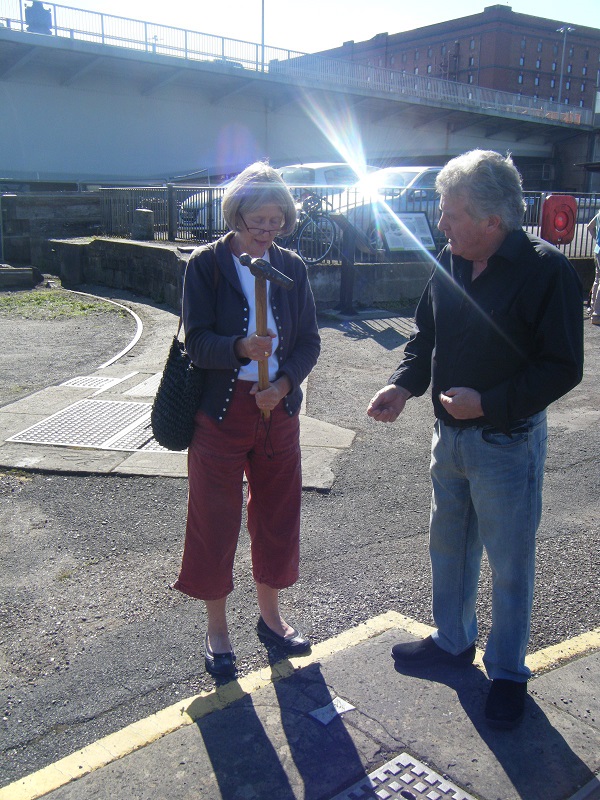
215,315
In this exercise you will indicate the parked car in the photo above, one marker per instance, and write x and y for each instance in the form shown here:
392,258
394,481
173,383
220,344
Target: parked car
335,174
200,215
375,202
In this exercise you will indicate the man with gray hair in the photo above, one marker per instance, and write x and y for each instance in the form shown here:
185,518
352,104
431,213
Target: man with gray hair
499,334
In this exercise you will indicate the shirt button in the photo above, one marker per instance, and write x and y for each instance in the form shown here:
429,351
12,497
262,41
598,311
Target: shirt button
227,399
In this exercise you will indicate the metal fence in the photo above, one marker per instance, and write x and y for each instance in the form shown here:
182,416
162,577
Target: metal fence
192,215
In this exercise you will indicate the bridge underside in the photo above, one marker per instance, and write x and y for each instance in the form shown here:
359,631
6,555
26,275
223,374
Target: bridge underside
79,111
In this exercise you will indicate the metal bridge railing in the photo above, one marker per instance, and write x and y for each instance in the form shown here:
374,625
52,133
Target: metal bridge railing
106,29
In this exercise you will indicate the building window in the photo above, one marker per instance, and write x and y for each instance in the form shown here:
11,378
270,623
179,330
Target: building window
522,61
443,50
569,68
471,61
416,71
539,47
586,54
555,49
538,64
470,80
416,55
523,43
571,51
581,104
552,83
472,44
583,87
554,66
551,98
567,84
584,71
535,98
404,58
429,69
537,80
392,60
429,52
520,78
566,101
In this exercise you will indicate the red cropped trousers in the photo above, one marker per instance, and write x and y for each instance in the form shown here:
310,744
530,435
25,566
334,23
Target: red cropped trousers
268,452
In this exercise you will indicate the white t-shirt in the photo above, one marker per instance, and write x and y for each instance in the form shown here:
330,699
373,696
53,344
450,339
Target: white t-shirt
249,372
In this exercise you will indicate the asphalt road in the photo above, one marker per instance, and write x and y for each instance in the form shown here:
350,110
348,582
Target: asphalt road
92,638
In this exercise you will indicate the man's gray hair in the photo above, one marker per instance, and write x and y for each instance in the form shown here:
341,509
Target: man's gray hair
490,184
258,185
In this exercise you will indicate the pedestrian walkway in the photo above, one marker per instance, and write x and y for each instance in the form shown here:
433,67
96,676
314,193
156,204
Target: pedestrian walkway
100,422
339,722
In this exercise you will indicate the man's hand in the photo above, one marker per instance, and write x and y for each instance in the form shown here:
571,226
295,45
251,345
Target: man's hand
388,403
462,403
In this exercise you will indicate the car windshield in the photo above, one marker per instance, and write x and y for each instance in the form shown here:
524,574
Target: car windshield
392,178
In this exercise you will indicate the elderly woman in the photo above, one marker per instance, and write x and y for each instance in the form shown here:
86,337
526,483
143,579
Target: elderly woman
233,434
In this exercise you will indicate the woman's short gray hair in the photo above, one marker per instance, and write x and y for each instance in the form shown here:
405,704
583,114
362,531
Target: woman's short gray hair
258,185
489,182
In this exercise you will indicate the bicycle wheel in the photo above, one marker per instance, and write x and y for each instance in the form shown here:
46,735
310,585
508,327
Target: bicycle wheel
316,238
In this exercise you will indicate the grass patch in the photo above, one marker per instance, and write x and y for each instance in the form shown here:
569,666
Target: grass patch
52,304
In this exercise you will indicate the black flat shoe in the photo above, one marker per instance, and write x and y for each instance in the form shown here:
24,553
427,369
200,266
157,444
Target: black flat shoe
293,644
425,652
220,664
505,704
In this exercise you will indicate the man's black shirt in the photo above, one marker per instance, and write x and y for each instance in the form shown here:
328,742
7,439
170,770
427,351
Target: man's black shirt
514,334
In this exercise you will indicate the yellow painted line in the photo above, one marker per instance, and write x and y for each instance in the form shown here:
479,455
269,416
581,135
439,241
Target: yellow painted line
557,654
139,734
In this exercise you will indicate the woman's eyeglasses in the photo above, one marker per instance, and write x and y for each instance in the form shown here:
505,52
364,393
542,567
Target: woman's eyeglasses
260,231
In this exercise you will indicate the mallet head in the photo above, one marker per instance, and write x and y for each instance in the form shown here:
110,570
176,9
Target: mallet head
262,269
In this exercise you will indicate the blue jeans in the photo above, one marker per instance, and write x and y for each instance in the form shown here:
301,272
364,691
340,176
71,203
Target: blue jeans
487,492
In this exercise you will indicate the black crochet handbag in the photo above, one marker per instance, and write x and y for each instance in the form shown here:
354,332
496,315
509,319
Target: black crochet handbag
177,398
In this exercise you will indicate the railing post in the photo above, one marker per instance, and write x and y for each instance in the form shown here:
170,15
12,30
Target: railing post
171,213
347,271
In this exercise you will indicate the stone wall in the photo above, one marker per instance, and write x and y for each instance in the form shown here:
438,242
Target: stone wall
27,221
149,269
156,270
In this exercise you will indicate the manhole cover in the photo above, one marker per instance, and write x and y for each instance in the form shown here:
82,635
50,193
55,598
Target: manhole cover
403,778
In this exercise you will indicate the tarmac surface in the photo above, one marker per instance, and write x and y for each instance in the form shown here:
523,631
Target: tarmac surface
339,722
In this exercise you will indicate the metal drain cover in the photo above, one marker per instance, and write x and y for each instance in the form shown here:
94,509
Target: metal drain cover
102,424
403,778
91,382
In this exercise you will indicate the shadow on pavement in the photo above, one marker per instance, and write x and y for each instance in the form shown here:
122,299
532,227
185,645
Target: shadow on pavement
535,756
268,743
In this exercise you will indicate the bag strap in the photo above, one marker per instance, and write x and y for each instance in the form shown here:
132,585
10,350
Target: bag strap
215,284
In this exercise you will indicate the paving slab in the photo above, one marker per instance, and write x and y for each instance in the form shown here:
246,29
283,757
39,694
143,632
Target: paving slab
267,741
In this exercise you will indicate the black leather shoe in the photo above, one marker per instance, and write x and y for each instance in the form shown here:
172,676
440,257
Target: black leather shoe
293,644
505,704
220,664
426,652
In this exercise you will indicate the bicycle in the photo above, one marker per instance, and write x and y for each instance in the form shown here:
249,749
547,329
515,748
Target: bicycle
315,234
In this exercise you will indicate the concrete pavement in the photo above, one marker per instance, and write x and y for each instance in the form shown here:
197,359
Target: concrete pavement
339,722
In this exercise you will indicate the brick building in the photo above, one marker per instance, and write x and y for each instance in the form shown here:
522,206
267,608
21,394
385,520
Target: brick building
498,49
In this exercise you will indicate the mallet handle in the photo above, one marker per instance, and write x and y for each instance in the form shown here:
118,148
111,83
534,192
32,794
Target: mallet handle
260,299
